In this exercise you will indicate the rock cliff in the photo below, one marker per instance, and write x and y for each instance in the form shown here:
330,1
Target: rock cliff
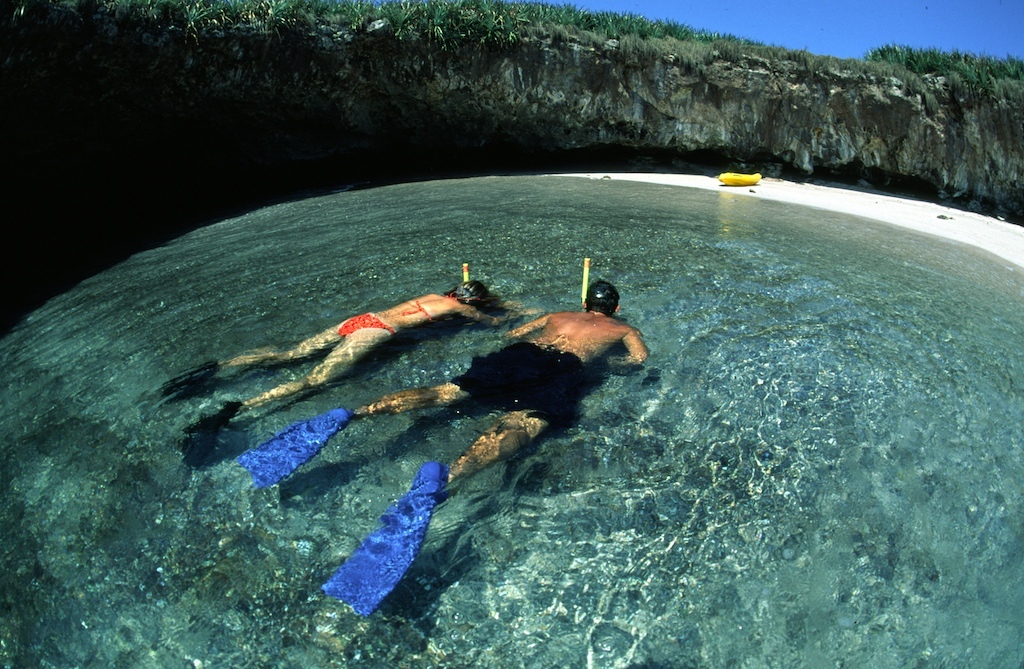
119,115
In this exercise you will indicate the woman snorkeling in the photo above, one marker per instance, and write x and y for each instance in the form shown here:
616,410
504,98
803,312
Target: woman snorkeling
354,338
351,340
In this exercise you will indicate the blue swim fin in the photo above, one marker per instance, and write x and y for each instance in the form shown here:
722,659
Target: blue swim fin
279,456
375,568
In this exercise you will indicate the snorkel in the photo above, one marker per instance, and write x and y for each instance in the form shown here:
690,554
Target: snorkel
586,281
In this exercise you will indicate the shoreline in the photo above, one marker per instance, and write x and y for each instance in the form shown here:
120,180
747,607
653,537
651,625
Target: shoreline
999,238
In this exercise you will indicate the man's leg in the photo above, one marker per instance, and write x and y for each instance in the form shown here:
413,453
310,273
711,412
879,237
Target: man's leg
415,398
354,347
504,439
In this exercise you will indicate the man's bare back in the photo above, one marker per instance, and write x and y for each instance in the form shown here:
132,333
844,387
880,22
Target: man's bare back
587,334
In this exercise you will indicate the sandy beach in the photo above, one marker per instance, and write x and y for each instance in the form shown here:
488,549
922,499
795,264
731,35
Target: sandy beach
1002,239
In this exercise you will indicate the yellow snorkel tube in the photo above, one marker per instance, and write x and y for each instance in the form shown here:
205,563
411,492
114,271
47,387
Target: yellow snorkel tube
465,272
586,281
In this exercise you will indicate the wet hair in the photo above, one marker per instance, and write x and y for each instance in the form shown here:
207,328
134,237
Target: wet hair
470,291
602,297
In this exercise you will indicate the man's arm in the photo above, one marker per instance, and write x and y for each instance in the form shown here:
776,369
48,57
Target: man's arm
526,329
634,342
516,309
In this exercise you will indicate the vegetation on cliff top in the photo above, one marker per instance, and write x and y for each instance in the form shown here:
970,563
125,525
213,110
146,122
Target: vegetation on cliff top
1002,78
454,24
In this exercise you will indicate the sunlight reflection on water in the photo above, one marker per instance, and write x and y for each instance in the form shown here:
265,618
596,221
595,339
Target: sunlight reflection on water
820,462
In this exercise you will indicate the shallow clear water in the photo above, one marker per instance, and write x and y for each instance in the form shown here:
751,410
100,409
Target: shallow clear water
820,465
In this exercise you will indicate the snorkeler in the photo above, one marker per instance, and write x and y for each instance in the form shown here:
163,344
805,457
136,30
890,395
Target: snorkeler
352,340
356,337
538,382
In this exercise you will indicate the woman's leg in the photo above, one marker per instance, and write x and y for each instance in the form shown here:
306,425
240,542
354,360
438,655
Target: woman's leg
354,347
305,348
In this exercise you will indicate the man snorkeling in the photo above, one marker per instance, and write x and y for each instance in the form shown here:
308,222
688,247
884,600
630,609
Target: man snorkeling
352,340
538,382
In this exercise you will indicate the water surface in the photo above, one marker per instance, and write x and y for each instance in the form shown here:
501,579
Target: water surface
820,464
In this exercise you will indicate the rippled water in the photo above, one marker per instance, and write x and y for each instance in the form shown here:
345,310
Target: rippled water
820,465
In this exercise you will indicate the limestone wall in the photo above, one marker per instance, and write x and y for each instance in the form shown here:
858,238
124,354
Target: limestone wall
85,81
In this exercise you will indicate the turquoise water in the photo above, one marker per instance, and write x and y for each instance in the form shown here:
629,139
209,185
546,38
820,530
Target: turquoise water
820,465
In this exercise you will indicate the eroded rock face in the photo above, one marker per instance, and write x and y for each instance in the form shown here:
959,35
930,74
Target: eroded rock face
324,92
569,97
120,134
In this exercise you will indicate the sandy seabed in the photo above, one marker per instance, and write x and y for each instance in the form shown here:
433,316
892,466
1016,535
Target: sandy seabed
1000,238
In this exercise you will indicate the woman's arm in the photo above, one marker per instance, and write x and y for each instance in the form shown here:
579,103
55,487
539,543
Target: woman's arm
475,314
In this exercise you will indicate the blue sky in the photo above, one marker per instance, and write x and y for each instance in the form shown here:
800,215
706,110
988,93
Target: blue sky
847,29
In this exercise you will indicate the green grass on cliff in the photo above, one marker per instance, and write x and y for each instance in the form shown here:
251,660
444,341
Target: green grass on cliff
456,23
448,23
497,24
964,71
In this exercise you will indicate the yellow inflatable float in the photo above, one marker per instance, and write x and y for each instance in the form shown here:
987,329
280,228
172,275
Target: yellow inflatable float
736,179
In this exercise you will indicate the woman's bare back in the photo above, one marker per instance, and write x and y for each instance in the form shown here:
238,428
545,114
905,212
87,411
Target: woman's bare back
426,308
